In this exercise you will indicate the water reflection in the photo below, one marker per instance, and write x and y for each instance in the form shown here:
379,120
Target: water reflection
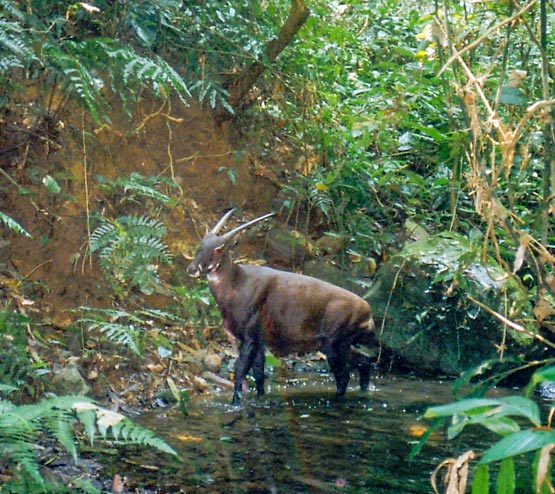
298,439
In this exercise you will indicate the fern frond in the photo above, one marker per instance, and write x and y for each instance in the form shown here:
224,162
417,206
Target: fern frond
132,68
160,315
137,186
124,334
67,60
150,249
122,429
13,42
21,427
132,433
11,9
103,236
143,226
129,250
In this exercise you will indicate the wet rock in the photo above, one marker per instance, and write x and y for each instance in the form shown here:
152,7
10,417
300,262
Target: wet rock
211,361
423,296
68,380
546,390
331,243
290,247
331,273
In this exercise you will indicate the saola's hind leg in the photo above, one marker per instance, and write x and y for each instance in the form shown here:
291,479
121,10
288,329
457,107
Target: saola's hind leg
258,369
364,364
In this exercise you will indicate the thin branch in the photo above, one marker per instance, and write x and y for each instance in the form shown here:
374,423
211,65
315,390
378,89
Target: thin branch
511,324
487,34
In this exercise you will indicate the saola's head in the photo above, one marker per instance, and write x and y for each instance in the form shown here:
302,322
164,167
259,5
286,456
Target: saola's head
214,247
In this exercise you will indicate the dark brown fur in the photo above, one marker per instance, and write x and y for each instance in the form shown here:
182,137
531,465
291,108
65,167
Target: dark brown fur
288,312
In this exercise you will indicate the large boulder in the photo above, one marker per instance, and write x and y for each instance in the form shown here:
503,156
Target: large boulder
424,302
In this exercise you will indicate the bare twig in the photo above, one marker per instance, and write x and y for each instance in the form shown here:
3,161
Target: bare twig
511,324
487,34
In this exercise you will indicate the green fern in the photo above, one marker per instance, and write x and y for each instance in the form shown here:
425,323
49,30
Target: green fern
210,90
13,225
82,69
17,373
137,187
129,251
129,67
22,427
13,41
66,61
129,329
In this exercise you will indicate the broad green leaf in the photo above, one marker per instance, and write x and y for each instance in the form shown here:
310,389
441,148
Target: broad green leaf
51,184
272,361
501,425
518,443
480,483
506,477
521,406
510,405
13,225
512,96
462,406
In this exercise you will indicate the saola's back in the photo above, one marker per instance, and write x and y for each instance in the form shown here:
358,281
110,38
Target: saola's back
300,312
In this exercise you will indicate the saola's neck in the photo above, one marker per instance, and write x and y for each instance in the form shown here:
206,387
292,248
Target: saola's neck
222,278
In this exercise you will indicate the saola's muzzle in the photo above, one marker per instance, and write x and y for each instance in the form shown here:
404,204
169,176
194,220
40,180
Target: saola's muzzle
194,271
197,270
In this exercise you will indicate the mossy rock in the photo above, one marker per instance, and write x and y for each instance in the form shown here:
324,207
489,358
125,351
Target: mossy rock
422,303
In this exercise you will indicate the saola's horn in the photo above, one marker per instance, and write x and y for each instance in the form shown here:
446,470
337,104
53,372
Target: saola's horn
221,223
240,228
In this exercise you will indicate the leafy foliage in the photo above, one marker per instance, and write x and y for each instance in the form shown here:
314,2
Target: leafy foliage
129,329
517,420
83,68
21,426
13,225
129,250
137,187
199,306
18,374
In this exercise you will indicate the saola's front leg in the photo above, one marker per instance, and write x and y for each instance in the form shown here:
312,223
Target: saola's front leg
251,354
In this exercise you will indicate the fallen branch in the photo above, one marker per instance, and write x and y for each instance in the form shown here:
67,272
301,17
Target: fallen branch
511,324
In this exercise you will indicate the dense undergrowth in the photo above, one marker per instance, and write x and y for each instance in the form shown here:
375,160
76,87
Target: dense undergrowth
439,114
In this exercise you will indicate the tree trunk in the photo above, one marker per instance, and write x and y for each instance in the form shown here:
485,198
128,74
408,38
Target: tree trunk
242,84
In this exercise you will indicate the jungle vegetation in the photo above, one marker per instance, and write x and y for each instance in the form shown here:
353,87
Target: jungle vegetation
439,112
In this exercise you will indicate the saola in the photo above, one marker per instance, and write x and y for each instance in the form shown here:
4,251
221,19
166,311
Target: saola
288,312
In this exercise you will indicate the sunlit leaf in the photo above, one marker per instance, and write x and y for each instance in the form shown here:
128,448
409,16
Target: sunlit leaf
272,361
51,184
518,443
459,407
510,405
501,425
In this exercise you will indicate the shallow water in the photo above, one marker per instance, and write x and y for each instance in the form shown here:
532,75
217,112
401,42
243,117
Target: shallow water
298,439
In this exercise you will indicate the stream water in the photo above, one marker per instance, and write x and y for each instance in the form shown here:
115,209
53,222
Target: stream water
298,439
